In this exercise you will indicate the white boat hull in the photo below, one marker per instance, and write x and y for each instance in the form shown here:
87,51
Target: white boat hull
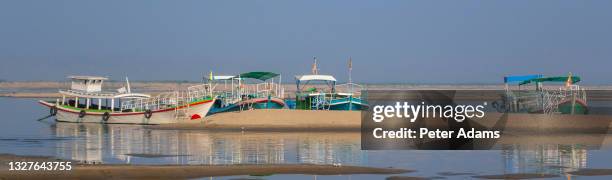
164,116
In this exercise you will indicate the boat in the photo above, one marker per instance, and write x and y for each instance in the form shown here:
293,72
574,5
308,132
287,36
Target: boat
86,102
245,91
533,97
320,92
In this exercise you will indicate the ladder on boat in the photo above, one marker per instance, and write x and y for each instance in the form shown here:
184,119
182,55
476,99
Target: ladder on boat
182,106
321,102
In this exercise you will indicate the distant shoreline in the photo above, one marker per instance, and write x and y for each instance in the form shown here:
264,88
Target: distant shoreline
49,89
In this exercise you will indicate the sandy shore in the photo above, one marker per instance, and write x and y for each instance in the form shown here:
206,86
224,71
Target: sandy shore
274,119
308,120
81,171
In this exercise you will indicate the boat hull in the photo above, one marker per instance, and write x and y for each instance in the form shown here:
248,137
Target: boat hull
257,103
338,104
578,107
347,104
164,116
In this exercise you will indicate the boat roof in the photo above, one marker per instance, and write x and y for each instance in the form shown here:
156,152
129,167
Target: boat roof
88,77
518,79
248,75
315,77
258,75
223,77
574,79
103,95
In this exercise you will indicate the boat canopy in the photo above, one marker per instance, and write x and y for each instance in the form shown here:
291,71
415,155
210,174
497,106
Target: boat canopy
87,78
315,77
518,79
258,75
574,79
223,77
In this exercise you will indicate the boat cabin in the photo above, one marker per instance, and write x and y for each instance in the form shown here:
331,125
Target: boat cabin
86,93
87,83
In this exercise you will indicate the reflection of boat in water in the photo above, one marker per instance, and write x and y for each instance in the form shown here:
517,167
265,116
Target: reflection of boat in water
117,143
87,148
568,99
89,103
251,90
544,159
327,95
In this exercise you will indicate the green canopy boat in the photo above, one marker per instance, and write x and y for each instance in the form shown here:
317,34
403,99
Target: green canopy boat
250,90
567,99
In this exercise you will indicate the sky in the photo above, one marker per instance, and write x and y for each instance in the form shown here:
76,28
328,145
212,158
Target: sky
388,41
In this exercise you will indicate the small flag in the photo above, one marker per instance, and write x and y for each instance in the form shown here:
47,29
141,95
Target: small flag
350,63
210,76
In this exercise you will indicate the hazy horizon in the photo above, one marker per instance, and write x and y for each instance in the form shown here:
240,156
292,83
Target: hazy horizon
418,42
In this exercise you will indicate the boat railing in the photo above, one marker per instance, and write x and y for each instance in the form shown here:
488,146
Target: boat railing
545,100
260,90
350,88
161,101
167,100
199,92
322,100
525,100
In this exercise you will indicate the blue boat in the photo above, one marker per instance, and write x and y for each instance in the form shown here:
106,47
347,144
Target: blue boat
251,90
320,92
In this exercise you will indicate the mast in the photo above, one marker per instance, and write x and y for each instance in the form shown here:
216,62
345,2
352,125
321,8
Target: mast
350,67
315,68
127,81
350,79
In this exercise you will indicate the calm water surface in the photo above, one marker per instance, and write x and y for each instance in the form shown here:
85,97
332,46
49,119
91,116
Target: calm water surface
21,134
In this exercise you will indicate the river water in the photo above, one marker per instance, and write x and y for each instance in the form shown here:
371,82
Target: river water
21,134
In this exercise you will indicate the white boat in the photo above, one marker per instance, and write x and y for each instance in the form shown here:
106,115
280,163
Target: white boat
85,102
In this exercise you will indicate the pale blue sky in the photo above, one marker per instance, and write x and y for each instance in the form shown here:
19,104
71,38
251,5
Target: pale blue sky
389,41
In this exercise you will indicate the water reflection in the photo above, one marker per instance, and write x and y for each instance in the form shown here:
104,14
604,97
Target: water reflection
98,143
548,159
